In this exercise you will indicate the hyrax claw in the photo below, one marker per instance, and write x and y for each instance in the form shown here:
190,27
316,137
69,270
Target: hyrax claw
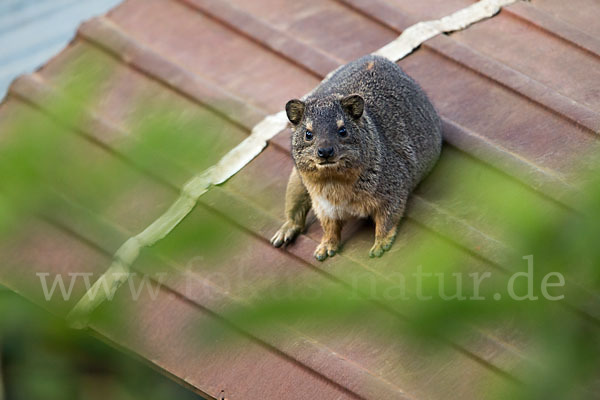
286,234
325,250
376,251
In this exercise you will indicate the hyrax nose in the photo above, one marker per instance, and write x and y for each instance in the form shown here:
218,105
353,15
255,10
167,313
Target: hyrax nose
325,152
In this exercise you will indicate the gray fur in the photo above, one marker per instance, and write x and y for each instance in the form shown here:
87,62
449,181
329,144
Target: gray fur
389,148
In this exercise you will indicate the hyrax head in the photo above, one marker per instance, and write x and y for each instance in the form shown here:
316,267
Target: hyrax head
327,135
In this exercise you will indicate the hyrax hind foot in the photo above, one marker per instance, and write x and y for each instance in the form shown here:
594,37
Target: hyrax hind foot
383,244
285,234
326,249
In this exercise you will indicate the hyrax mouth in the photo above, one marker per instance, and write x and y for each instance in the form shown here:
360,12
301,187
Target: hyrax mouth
327,164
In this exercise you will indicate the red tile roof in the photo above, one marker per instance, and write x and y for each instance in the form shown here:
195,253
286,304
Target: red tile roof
515,96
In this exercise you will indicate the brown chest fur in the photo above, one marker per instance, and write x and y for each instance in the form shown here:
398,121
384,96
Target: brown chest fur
340,200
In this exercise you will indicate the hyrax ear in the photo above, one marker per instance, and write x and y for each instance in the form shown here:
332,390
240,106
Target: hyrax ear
295,110
354,105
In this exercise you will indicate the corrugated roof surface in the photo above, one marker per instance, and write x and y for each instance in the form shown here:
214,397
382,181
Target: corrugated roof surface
515,96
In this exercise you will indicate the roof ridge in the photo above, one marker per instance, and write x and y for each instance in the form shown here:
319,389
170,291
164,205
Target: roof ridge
275,40
556,27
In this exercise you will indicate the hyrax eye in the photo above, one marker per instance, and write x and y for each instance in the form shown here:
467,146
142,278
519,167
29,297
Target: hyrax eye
308,135
342,131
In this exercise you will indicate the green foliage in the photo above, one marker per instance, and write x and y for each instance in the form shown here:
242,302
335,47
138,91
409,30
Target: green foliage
559,336
54,174
52,171
44,359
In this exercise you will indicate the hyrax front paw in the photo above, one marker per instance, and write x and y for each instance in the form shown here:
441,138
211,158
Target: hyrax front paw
326,249
285,234
382,244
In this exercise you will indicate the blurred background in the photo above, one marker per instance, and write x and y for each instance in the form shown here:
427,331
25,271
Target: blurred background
40,356
32,31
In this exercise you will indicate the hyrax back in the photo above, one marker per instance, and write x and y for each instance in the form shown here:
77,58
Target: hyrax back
361,142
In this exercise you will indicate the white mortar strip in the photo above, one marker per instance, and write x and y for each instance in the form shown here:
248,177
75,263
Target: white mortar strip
105,287
419,33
